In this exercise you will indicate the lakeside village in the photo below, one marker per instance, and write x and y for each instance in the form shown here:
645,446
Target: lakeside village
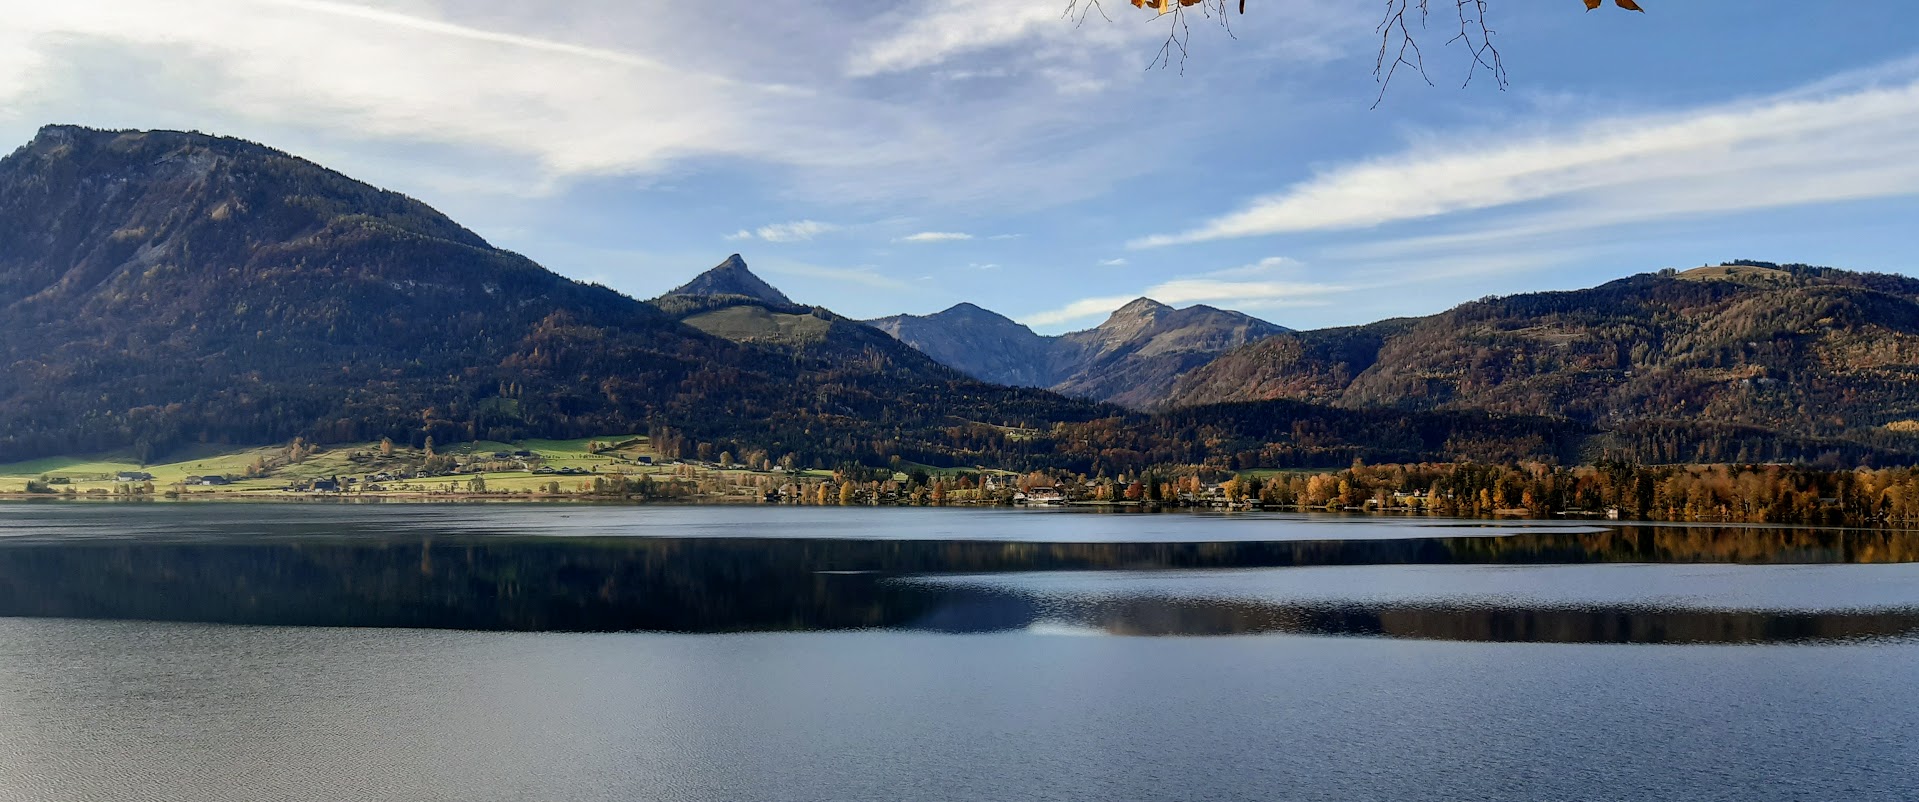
629,469
614,469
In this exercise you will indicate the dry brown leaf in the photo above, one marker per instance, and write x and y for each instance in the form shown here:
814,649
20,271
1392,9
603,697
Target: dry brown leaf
1590,4
1629,5
1165,6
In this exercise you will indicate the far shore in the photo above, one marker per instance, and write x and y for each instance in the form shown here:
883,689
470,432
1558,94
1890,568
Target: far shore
734,500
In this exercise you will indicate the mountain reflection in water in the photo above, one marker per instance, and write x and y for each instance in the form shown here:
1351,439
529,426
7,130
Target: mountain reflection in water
741,584
963,611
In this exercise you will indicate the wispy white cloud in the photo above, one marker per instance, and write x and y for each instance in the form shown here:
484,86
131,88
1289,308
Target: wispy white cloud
1279,283
1115,262
998,38
867,275
1794,148
935,236
1244,288
524,98
937,33
447,29
795,231
932,38
381,74
1267,267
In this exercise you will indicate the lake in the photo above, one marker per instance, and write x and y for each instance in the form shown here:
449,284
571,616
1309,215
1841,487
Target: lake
501,652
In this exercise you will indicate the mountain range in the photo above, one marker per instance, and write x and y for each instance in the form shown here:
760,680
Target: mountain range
1132,359
162,291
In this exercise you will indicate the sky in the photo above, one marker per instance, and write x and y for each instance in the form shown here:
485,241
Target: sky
886,157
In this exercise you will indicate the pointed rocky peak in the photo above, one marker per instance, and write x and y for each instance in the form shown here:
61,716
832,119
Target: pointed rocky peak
1140,307
732,277
1140,312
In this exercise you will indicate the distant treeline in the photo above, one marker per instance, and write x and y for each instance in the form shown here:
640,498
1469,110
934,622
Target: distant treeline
1732,493
1753,493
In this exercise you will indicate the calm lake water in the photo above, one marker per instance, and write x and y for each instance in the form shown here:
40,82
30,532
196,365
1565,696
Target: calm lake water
415,652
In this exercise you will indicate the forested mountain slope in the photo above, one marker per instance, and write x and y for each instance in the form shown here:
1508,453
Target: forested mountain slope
160,289
1809,351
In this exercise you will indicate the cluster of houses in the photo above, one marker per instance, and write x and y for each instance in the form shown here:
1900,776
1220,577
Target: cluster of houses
1047,495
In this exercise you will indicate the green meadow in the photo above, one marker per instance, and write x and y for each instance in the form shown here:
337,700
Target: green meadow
97,472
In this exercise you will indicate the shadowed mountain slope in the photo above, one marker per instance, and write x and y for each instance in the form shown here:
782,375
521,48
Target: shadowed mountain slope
161,289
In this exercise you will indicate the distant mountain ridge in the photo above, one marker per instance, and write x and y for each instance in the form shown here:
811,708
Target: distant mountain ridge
1810,351
1131,359
979,343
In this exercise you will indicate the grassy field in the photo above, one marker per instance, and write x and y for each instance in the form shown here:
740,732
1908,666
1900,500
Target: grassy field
94,475
745,322
97,472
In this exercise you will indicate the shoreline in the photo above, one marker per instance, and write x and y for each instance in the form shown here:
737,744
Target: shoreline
415,497
1130,508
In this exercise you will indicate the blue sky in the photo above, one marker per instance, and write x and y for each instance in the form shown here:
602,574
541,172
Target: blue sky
883,157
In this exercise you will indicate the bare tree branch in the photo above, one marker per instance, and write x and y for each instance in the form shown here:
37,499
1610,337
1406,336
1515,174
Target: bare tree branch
1398,42
1178,32
1474,33
1079,10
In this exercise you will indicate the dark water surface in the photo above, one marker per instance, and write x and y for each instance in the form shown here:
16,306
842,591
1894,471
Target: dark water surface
415,652
309,519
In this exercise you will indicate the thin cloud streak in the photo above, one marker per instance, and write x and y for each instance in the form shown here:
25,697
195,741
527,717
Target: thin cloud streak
937,33
1180,292
866,275
1785,150
935,236
471,34
795,231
